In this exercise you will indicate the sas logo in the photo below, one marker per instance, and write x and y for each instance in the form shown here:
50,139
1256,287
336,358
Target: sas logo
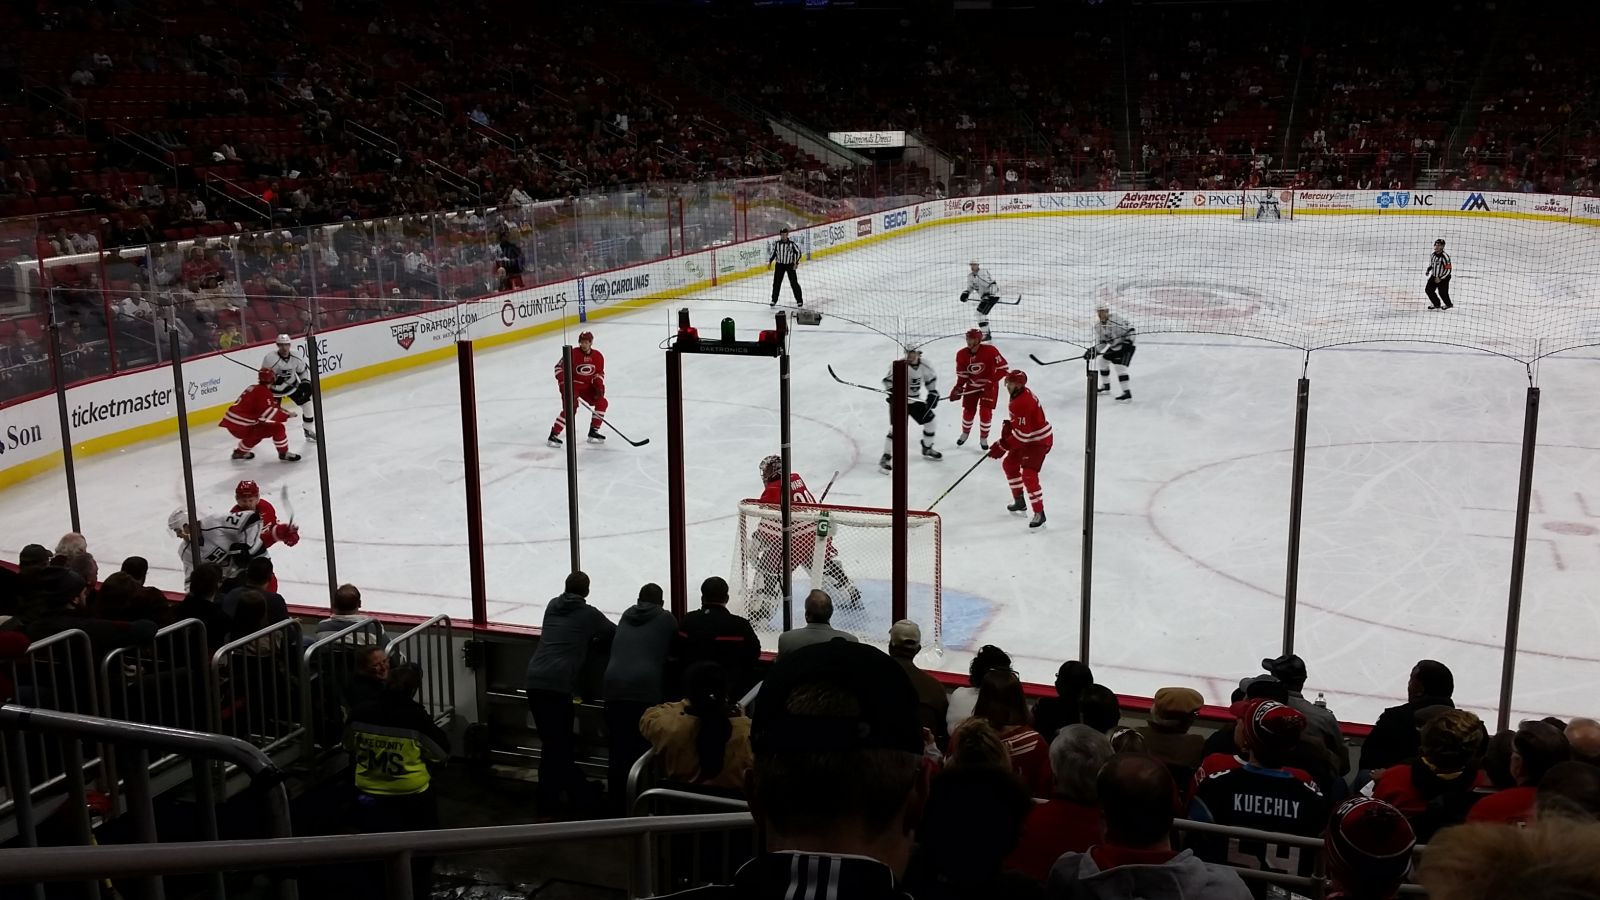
895,219
1475,202
863,227
404,335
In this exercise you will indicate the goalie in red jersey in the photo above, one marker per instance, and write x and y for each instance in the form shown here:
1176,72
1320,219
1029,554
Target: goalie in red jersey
768,551
588,386
257,415
1024,442
979,370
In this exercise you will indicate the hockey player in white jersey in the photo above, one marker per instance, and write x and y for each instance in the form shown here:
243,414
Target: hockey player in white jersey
291,379
229,541
1113,342
982,288
922,395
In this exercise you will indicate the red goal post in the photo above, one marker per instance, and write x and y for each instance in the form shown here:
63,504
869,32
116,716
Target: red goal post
846,551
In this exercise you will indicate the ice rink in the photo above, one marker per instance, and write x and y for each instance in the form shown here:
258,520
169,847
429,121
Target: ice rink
1410,485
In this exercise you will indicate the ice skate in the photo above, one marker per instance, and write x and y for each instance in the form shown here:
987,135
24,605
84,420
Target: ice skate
1125,396
1017,504
886,464
596,437
310,434
983,443
243,454
1038,520
1104,389
962,439
554,439
931,453
286,456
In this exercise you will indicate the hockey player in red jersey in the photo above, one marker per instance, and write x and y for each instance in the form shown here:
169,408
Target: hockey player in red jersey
247,498
768,551
588,386
979,371
257,414
1024,442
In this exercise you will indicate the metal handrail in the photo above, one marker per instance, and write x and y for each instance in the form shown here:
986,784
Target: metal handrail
114,660
689,796
438,670
290,647
308,662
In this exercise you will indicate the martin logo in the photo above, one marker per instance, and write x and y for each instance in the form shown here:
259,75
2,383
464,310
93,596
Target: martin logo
404,335
1475,202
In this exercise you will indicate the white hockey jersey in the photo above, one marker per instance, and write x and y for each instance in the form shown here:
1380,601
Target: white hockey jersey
921,377
981,284
1111,332
288,374
229,541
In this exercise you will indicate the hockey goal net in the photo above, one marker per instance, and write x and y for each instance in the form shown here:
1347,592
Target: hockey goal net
1267,204
847,551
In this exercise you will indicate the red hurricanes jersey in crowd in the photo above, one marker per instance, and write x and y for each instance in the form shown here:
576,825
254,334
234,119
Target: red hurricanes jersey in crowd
1027,424
981,369
588,370
256,406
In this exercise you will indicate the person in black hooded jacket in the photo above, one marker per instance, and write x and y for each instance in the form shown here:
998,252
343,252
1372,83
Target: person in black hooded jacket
571,629
635,680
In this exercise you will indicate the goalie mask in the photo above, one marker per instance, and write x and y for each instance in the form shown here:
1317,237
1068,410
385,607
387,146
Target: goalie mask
772,468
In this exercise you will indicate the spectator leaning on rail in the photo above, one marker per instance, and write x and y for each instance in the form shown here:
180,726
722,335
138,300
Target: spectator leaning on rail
819,612
839,784
1136,858
1069,821
635,680
571,629
393,740
713,634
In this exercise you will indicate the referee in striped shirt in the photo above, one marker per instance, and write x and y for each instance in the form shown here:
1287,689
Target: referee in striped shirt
1439,277
786,253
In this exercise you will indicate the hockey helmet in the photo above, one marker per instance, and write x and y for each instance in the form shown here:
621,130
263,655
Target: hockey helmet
586,336
283,339
246,488
913,348
265,376
974,334
973,263
178,520
1102,306
1018,376
772,468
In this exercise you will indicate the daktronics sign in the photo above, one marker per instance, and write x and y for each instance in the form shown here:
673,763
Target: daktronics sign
514,311
895,219
1150,200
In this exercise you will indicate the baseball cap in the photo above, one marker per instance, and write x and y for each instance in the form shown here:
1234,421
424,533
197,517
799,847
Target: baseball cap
1369,843
885,703
1174,705
905,633
33,556
1288,668
1268,724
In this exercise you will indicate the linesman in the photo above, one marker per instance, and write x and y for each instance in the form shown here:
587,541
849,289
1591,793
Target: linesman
786,254
1439,277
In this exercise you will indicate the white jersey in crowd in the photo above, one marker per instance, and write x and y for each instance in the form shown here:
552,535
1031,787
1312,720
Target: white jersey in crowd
1114,330
287,374
229,541
982,284
921,376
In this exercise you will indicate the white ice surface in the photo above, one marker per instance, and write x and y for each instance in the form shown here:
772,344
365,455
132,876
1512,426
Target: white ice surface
1410,485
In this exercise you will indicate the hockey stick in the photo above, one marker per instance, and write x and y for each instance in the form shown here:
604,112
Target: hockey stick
1087,354
853,384
828,487
1016,302
283,502
958,482
607,423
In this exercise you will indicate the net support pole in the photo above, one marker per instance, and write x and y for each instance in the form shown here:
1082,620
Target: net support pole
66,421
313,351
1091,417
570,416
899,571
182,400
1297,484
677,519
785,498
472,484
1519,554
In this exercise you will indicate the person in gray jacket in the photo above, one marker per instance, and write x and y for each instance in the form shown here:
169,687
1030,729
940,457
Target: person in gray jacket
1136,858
1322,726
819,612
635,680
571,628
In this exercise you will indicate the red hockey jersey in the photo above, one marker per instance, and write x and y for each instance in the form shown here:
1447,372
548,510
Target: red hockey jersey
979,370
588,370
269,518
256,406
1027,424
802,541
